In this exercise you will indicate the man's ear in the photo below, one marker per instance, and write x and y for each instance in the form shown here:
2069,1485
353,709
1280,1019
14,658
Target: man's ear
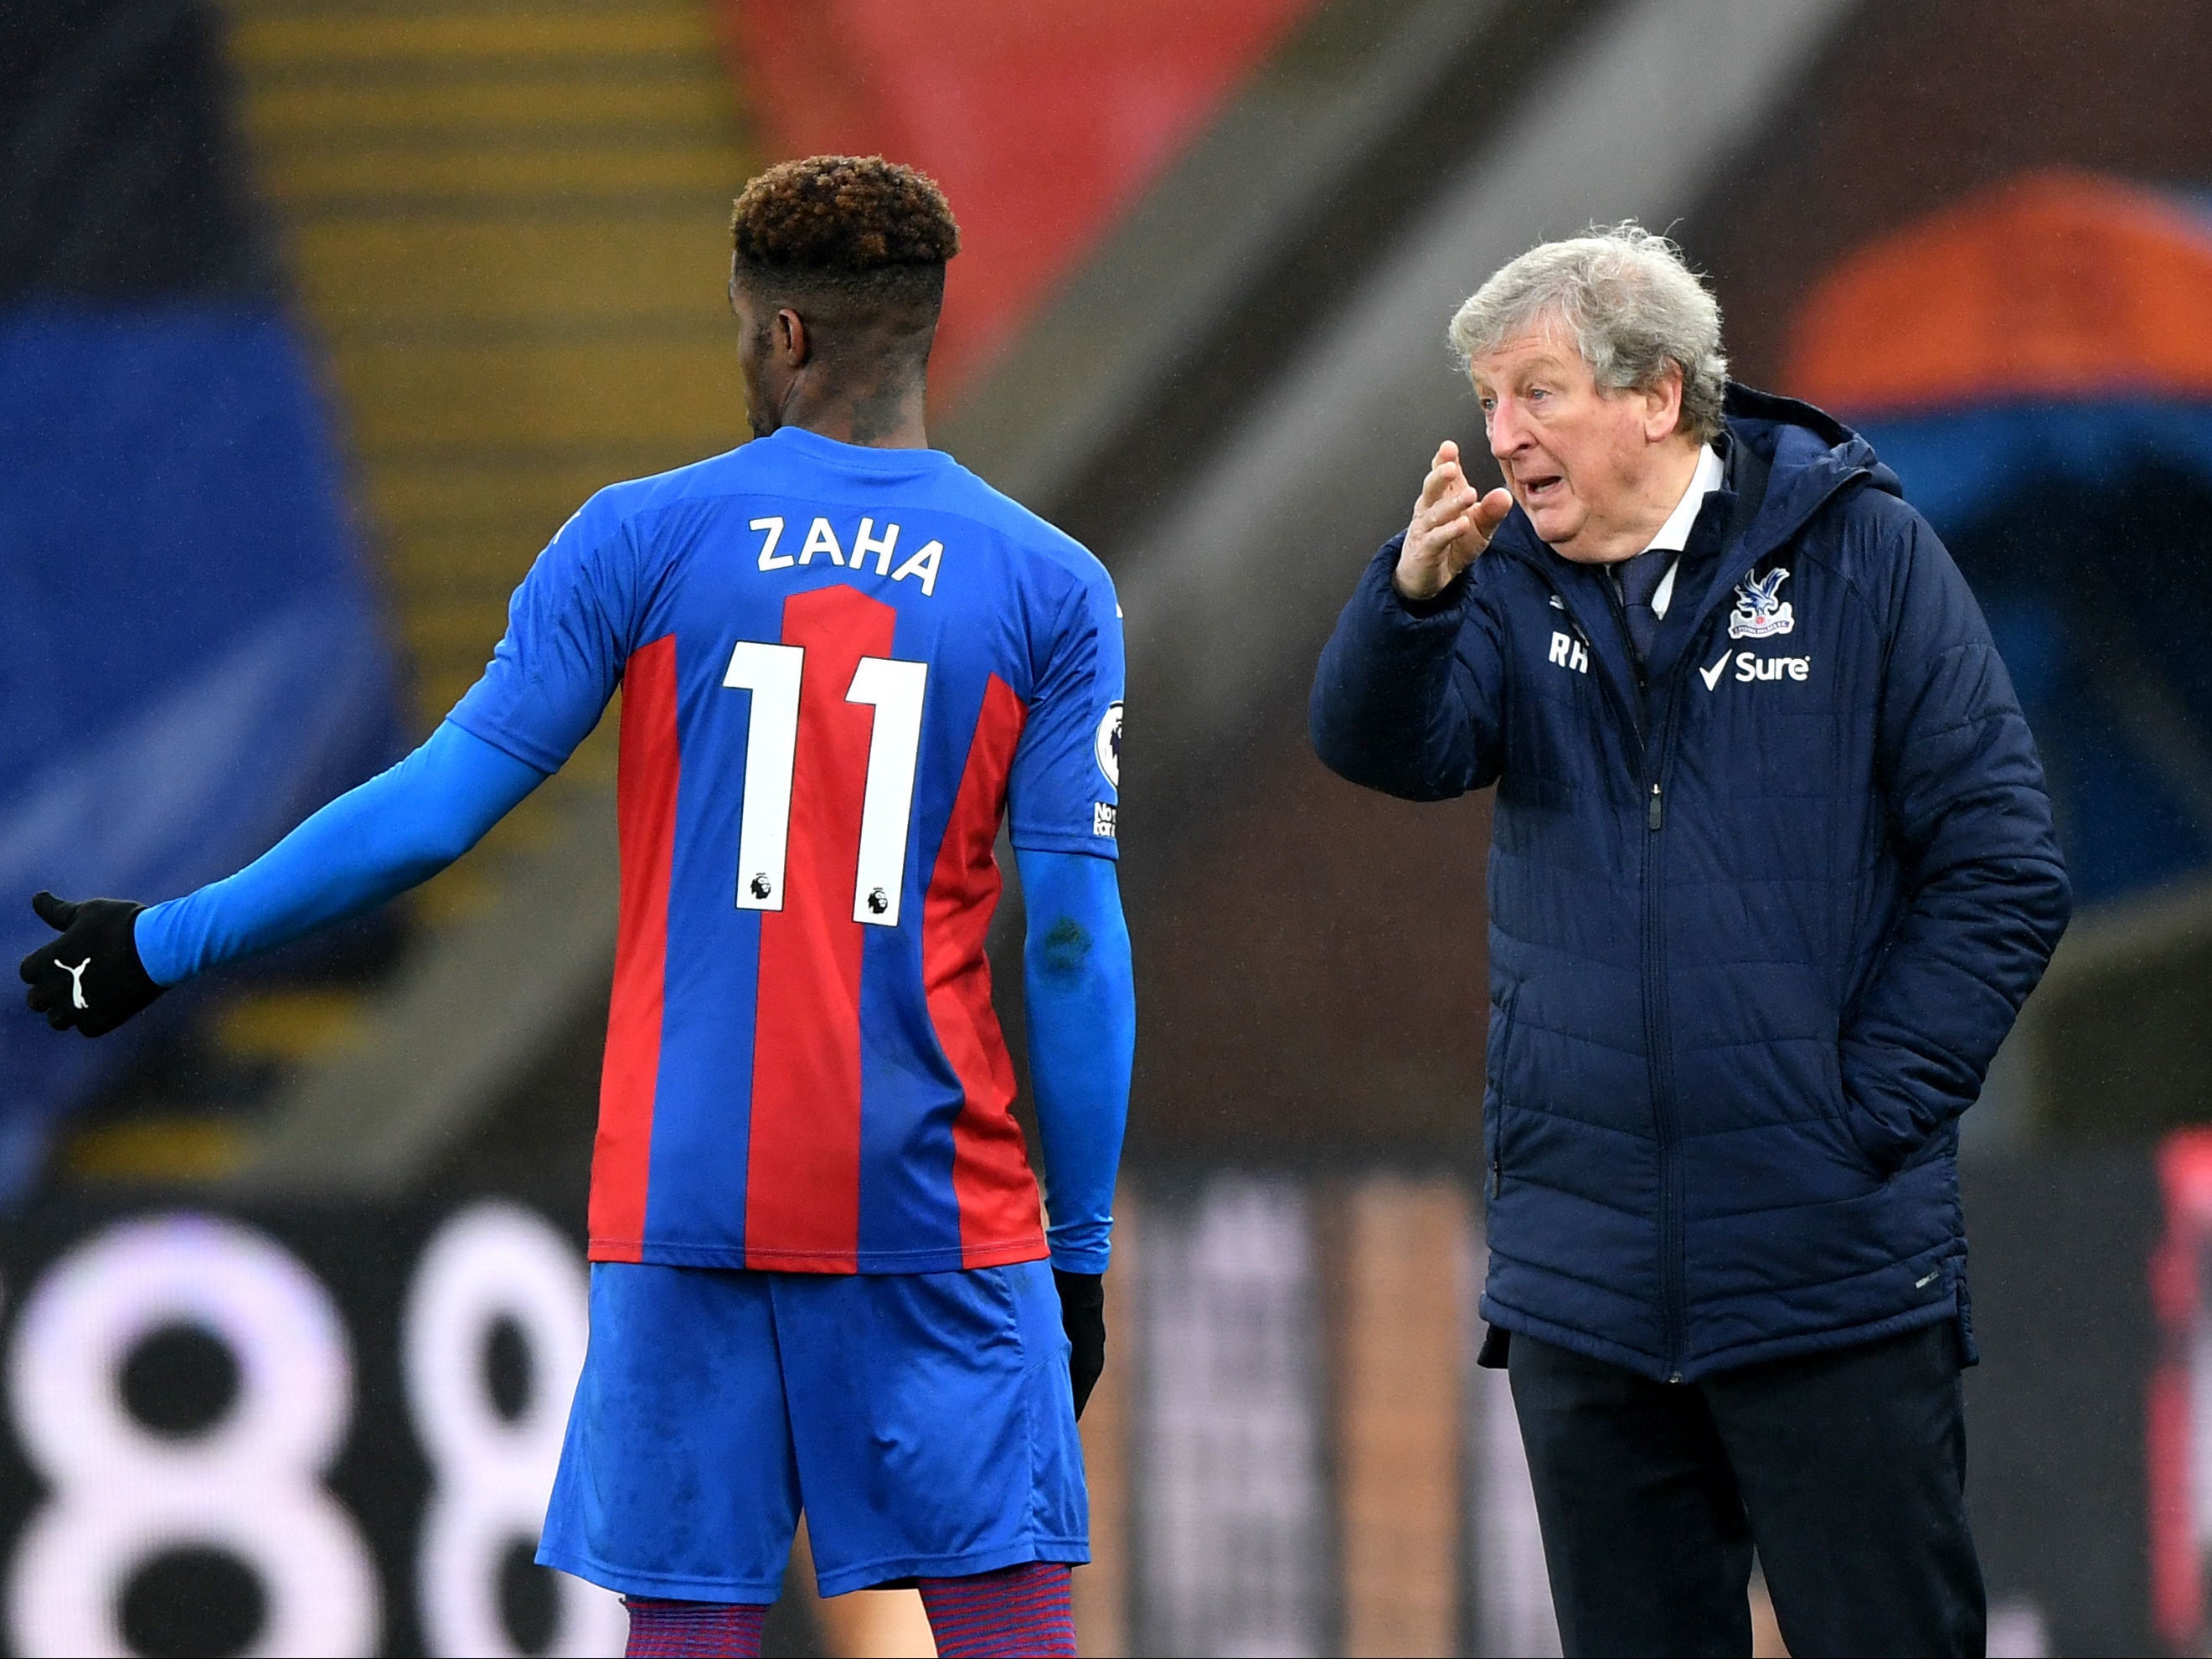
793,342
1663,405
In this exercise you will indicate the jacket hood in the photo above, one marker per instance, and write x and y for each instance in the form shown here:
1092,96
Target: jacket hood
1809,456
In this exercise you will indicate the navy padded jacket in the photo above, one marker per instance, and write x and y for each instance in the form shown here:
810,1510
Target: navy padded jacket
1759,919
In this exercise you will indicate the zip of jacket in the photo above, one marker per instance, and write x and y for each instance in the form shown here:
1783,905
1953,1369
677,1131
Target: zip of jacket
1659,1043
1651,741
1653,735
1655,739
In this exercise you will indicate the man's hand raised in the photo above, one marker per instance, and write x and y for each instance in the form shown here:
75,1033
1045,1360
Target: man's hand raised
1452,524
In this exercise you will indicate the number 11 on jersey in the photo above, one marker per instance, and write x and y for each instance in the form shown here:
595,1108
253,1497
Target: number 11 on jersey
773,673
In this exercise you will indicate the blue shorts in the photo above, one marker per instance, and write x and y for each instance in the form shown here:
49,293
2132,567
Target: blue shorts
922,1421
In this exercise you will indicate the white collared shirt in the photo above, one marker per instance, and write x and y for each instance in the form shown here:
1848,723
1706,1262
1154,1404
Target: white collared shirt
1675,532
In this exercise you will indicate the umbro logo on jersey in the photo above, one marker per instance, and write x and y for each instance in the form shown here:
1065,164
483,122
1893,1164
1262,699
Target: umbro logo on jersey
1751,667
76,981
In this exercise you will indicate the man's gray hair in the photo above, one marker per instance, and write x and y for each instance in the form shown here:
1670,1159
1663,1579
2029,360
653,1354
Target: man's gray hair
1630,305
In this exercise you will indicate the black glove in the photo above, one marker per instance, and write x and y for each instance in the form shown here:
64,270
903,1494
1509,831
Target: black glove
1082,1313
90,977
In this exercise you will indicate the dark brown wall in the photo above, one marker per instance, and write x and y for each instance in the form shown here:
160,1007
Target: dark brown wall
1314,973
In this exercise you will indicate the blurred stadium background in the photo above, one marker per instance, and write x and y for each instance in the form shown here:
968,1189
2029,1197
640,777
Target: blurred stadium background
318,317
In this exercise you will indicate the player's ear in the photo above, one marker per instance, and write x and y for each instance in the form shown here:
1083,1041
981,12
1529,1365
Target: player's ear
793,342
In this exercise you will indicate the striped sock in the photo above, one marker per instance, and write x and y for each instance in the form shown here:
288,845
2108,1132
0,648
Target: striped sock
1026,1611
693,1630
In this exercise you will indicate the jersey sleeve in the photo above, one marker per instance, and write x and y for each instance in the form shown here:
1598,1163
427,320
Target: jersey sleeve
1065,793
569,632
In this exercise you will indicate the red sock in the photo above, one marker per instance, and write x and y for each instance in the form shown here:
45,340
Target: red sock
1024,1611
693,1630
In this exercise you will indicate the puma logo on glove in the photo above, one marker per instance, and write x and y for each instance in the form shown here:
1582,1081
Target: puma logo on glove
76,981
99,932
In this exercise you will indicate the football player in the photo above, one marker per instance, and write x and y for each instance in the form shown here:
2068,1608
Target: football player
821,1275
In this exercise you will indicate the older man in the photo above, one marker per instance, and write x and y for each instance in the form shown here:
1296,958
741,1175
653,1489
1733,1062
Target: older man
1772,871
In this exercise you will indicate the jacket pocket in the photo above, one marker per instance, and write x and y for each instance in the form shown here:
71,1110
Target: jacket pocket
1494,1096
1493,1143
1882,1150
1846,1143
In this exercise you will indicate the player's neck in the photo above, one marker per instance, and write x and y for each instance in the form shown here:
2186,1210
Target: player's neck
884,414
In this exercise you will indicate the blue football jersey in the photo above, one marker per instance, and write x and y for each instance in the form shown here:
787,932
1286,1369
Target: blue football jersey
843,668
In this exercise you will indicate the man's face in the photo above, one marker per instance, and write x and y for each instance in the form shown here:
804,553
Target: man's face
1579,459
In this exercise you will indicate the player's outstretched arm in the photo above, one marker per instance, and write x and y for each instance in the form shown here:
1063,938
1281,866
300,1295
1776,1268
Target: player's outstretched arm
398,830
1080,1000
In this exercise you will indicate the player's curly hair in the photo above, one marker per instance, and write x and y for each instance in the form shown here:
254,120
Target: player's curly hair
850,226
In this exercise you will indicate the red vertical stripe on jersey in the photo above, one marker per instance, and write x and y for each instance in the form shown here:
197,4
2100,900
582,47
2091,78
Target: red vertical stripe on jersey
1000,1220
645,810
802,1168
